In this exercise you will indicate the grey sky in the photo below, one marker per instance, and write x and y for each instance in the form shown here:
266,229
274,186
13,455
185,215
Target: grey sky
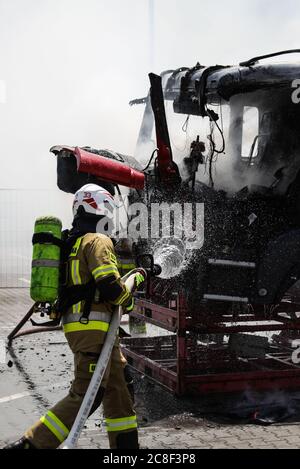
71,66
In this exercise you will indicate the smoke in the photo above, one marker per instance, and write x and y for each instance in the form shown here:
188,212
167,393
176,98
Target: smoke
70,71
70,68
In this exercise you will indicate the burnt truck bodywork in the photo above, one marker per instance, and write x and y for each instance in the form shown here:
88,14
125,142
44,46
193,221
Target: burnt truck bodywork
251,252
234,308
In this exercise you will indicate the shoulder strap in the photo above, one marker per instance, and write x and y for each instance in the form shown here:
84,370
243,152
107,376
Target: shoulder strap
46,238
72,295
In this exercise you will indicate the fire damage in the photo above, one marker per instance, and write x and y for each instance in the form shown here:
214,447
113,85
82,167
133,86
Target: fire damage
231,306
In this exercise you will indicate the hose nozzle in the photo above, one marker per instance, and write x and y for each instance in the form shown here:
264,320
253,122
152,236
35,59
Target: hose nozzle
146,261
157,270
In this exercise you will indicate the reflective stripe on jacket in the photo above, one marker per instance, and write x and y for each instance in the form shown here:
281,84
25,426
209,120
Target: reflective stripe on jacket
98,321
125,264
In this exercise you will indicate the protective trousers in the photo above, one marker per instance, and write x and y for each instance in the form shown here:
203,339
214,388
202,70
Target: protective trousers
121,423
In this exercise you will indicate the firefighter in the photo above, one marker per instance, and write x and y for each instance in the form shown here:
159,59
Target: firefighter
91,257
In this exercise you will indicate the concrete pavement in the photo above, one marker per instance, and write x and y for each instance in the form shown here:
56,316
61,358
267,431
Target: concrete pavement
41,374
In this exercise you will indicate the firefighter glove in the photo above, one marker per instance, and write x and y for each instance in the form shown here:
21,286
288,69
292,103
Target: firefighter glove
139,279
129,306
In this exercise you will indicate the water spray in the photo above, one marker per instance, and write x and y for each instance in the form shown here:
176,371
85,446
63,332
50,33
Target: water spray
169,254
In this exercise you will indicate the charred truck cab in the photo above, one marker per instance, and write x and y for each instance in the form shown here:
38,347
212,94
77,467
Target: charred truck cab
227,137
249,181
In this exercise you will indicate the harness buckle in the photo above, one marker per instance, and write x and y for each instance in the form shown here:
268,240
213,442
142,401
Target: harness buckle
83,320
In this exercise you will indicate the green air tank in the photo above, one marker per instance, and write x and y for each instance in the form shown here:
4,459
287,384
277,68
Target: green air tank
45,267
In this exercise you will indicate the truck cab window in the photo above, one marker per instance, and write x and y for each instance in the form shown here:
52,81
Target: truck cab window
250,132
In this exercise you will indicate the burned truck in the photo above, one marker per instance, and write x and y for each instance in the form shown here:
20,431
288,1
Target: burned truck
228,139
248,181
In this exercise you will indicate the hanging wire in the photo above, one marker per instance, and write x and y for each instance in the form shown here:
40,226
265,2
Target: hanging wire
211,157
220,130
221,117
123,201
185,125
151,158
214,152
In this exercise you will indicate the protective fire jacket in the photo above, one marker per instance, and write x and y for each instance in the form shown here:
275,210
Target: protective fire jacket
93,257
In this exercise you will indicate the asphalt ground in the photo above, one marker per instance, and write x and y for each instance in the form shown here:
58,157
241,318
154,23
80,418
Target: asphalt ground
41,373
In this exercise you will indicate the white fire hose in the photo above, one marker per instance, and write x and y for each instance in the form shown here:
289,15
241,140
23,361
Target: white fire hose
98,374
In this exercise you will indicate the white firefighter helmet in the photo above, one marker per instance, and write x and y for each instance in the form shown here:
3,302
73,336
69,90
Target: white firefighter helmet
94,200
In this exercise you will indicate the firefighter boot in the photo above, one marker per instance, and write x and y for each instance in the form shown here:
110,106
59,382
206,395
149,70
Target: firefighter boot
127,440
23,443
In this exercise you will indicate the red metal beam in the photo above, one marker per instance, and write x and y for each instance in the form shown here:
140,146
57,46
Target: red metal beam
159,373
108,170
160,316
